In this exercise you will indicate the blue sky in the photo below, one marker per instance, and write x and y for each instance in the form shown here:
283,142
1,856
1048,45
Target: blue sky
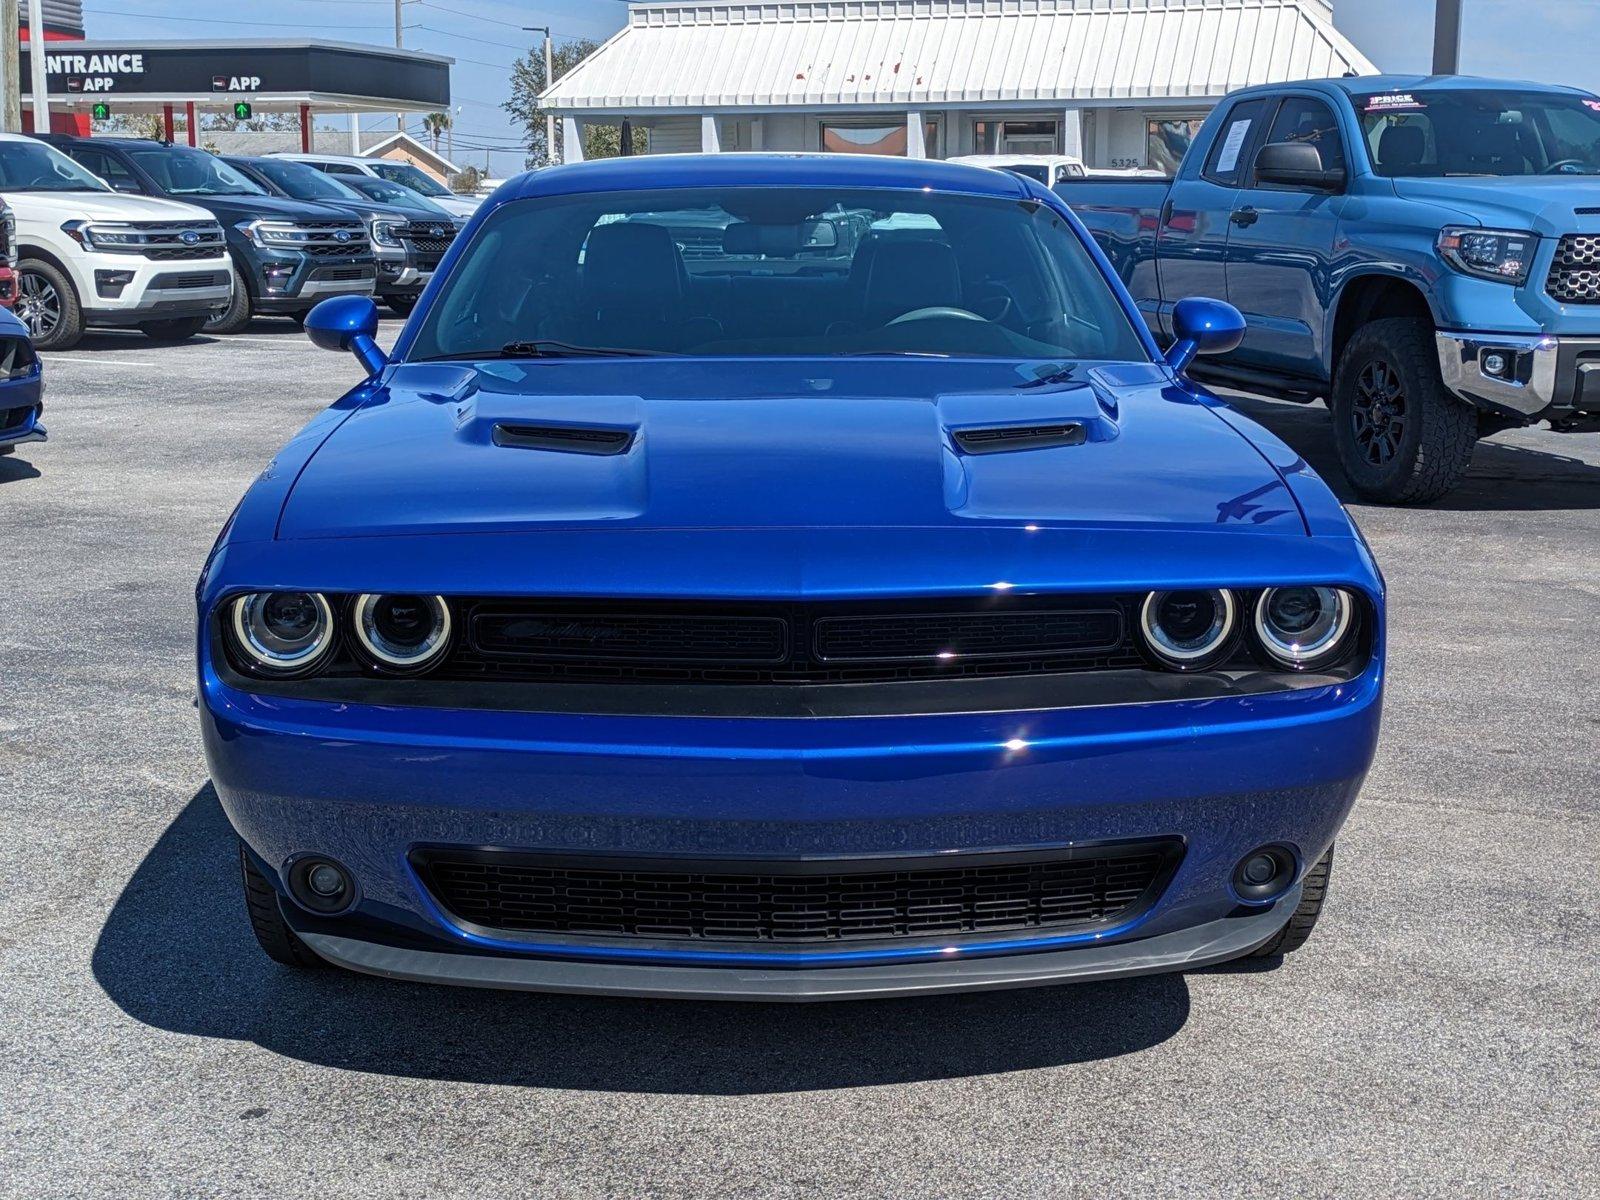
1549,40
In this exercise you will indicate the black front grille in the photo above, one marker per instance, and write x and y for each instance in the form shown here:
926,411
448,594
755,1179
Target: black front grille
191,279
611,641
15,418
1575,273
427,237
183,253
798,902
344,274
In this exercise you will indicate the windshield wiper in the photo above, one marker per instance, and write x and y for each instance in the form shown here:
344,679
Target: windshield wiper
547,348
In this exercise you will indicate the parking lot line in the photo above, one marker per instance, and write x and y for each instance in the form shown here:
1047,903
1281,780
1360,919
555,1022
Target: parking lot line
55,361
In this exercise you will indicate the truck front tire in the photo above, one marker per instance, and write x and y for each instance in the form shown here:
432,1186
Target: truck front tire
1402,437
47,304
237,315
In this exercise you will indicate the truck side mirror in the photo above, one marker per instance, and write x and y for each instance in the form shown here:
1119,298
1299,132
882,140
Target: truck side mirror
1202,326
1297,165
348,323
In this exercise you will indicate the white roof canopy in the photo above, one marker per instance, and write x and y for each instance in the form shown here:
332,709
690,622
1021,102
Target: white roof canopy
695,55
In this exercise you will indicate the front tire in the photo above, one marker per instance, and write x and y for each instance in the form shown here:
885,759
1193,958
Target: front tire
178,329
281,944
1402,437
400,306
238,313
1313,893
47,304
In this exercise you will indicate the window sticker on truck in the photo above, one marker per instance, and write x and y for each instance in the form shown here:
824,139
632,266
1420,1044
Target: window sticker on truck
1229,158
1392,102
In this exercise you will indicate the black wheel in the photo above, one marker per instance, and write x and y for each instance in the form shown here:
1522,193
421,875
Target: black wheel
1314,890
237,315
400,306
280,942
47,304
179,329
1402,437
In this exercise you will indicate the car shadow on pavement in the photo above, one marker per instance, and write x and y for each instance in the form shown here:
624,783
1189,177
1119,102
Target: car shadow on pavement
1502,478
176,953
14,467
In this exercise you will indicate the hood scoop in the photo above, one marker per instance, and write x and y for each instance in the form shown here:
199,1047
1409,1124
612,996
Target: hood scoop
564,439
997,439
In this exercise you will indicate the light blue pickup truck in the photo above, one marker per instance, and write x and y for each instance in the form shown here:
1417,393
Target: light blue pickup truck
1423,253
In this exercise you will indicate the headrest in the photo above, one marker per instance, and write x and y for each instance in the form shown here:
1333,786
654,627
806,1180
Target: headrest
771,241
632,263
1402,146
1500,143
903,276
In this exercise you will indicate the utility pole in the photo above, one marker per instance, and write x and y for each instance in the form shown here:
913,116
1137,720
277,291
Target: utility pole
41,87
10,67
1447,38
399,118
549,82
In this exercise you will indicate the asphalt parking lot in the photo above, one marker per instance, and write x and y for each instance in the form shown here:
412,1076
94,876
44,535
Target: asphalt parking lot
1440,1035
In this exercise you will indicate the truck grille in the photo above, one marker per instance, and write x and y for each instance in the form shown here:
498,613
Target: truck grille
427,237
164,241
788,643
799,901
1575,273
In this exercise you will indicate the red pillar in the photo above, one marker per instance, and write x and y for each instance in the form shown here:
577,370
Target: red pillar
305,129
166,121
188,116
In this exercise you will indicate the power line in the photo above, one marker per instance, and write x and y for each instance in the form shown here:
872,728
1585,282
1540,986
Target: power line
300,25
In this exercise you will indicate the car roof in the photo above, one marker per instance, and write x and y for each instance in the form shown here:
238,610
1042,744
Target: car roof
655,172
1367,85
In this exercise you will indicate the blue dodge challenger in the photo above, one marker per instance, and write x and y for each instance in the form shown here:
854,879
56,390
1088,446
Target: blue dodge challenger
784,578
21,386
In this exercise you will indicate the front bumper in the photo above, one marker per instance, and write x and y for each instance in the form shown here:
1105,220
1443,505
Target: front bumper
1531,378
368,785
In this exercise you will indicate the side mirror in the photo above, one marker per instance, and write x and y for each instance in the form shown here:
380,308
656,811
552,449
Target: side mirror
348,323
1202,327
1297,165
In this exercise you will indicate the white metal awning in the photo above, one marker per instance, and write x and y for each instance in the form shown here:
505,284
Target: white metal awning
698,55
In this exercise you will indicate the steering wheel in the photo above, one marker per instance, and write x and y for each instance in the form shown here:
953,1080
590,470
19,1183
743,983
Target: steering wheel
1555,167
938,310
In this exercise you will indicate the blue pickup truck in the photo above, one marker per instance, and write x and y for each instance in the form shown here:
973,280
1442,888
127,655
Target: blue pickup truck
1423,253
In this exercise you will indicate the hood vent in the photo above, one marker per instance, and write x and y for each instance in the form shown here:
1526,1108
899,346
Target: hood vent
1001,438
566,439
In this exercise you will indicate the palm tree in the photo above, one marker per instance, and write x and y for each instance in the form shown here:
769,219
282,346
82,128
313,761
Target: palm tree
436,123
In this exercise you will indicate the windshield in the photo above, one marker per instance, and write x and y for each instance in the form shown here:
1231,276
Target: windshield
390,193
35,167
182,172
411,177
780,271
1480,132
302,182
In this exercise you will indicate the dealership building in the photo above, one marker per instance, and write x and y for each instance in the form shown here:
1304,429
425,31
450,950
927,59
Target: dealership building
1117,83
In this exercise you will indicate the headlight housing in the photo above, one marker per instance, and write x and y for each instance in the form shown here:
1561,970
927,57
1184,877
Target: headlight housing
282,633
105,236
383,230
1500,254
277,235
401,633
1190,629
1304,627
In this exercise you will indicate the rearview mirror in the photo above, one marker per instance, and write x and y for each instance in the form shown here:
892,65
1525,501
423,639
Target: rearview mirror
1201,326
348,323
1297,165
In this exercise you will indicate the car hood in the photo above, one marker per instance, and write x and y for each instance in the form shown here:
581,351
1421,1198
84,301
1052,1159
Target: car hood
1546,204
101,206
793,444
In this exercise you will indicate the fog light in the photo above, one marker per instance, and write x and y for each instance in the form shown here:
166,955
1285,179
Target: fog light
1494,364
1264,874
321,885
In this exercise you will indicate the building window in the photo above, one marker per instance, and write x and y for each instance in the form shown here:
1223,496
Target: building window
1167,139
847,137
1016,137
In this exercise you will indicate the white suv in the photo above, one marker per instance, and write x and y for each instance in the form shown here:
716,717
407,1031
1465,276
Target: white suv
402,173
89,256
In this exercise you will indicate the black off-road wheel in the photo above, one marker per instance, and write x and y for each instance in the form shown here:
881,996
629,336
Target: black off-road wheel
1402,437
401,306
281,943
179,329
1313,891
48,305
238,313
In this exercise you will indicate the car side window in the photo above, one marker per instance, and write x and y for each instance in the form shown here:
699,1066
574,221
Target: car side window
108,168
342,169
1303,119
1225,163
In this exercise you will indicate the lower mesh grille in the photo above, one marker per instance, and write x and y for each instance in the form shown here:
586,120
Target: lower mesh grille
780,903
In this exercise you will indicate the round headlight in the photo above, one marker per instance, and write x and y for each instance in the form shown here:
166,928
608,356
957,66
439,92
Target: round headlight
401,632
283,633
1186,630
1303,626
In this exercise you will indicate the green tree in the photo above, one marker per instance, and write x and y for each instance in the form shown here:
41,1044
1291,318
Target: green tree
466,181
527,82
